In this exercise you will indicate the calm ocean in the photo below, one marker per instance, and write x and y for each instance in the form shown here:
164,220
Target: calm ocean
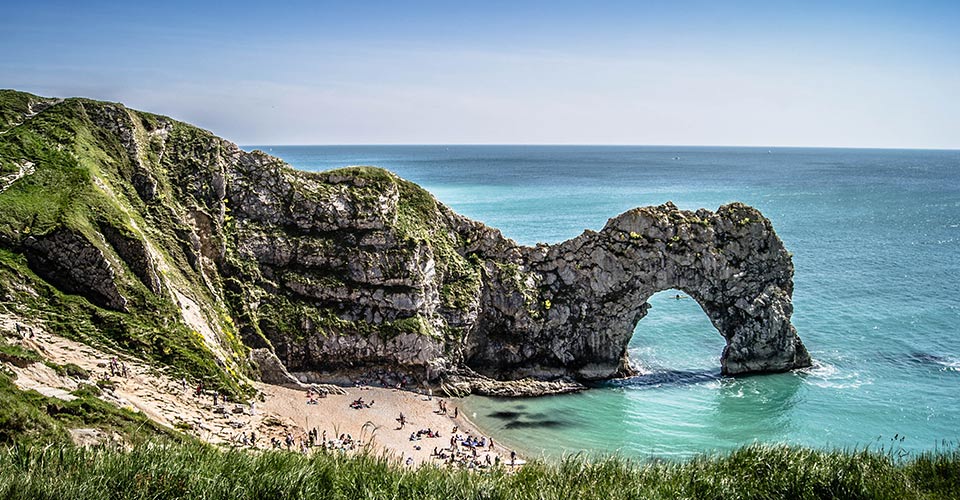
876,241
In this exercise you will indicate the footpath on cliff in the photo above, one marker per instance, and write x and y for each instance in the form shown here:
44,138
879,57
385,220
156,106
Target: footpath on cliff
278,415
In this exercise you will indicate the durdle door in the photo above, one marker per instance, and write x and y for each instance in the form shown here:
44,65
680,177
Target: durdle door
593,289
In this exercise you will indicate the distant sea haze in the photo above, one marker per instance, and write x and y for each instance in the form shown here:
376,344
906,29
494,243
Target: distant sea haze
875,236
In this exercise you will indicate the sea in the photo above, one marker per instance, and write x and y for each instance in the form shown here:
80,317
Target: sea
875,237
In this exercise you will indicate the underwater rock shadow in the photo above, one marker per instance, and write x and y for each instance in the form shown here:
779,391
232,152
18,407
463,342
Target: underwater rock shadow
923,359
507,415
668,378
528,424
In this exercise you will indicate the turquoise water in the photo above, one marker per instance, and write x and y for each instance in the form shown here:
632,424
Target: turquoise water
876,242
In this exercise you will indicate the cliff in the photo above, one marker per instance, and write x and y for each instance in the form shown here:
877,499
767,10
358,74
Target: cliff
149,235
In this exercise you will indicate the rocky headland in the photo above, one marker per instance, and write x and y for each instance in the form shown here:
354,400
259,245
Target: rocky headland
150,236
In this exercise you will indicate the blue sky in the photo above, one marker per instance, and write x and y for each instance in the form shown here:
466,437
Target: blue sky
856,74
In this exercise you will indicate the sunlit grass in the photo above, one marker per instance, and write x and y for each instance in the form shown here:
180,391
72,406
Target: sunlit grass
197,471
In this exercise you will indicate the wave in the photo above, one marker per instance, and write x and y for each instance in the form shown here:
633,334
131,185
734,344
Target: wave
949,364
828,376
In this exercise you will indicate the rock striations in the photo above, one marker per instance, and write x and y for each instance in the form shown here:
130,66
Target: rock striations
356,273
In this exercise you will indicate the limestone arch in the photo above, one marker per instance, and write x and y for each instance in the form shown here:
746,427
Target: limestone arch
731,262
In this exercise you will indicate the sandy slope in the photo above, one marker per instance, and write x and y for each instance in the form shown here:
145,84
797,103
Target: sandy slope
280,412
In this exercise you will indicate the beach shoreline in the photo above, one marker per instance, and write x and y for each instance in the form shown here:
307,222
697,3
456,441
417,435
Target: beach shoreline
278,417
377,426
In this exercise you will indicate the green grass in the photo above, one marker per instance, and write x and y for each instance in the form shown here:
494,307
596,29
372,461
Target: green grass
139,332
17,354
82,184
198,471
30,417
13,106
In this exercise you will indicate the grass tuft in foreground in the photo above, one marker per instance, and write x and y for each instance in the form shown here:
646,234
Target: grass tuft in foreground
199,471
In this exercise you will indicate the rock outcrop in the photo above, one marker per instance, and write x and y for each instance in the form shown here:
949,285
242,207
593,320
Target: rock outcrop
358,274
74,264
590,292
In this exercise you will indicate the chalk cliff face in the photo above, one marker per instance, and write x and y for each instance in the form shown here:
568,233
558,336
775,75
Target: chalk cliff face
354,272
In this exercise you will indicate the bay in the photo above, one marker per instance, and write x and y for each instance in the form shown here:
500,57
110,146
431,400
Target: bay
876,241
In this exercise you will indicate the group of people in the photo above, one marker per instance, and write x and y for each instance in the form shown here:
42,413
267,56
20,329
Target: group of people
312,439
288,440
359,404
430,433
313,394
24,332
442,405
471,442
250,440
118,368
318,439
465,451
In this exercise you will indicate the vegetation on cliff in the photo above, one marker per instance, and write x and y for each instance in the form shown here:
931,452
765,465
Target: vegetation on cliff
28,418
77,199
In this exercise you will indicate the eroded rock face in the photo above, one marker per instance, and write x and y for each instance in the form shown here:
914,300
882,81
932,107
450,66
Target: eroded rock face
592,290
74,264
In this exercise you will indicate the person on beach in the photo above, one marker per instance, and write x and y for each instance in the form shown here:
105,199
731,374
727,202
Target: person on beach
513,458
402,420
491,445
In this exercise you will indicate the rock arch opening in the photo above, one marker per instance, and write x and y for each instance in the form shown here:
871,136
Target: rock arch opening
675,342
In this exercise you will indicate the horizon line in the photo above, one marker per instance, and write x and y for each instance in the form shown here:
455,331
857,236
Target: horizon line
455,144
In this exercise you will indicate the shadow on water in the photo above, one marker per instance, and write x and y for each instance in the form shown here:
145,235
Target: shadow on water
522,419
925,358
921,359
507,415
666,378
536,424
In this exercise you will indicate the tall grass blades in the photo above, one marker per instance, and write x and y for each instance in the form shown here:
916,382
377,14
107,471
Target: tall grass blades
191,470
